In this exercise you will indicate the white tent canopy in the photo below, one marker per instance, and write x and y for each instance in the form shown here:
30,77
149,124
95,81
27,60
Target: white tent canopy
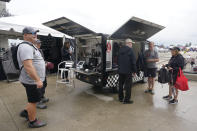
97,24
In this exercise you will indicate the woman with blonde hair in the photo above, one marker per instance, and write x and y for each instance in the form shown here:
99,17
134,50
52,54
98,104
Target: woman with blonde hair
175,63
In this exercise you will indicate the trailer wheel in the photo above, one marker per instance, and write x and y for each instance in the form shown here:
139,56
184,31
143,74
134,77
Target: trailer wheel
98,89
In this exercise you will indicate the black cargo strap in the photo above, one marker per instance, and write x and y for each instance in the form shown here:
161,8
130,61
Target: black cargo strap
21,68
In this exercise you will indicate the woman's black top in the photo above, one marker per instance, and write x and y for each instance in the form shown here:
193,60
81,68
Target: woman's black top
65,54
175,62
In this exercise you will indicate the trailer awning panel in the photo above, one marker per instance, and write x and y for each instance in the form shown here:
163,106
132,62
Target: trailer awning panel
68,27
137,29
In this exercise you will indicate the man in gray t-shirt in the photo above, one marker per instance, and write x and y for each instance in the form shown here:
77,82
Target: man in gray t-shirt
151,57
32,74
30,52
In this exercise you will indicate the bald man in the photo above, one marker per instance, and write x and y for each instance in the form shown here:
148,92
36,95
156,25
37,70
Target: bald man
151,56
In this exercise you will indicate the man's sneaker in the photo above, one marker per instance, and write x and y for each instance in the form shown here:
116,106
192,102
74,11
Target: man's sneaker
128,102
121,100
41,105
167,97
44,100
37,124
63,80
147,91
173,101
151,92
24,114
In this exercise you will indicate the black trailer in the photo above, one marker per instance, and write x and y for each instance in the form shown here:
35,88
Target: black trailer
96,53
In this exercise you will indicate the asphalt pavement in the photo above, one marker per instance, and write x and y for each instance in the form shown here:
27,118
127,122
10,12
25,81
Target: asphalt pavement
84,109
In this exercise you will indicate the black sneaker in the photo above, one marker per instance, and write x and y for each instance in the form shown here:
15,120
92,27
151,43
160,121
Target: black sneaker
41,105
44,100
173,101
128,102
63,80
37,124
24,114
167,97
147,91
121,100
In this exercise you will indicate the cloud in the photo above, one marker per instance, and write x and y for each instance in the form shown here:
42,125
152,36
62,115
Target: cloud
178,16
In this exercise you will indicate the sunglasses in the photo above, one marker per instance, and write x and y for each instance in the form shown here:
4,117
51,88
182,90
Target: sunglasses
34,33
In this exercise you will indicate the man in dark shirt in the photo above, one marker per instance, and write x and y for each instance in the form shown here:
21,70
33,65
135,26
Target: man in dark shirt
126,68
43,100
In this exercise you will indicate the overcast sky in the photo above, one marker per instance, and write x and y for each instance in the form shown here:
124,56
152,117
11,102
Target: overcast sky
178,16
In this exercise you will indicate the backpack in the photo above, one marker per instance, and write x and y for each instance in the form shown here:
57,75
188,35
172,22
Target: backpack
163,76
10,62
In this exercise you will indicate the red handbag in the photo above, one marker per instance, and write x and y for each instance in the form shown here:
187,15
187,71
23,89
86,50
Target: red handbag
181,81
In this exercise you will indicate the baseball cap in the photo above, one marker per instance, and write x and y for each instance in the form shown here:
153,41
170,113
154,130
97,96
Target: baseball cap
175,48
29,30
129,41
